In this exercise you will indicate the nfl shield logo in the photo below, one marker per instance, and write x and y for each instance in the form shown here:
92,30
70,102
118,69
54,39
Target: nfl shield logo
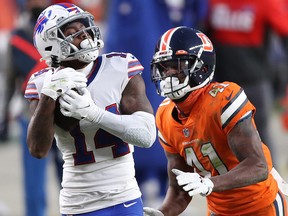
186,132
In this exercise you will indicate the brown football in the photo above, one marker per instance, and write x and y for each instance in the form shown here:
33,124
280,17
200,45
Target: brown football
64,122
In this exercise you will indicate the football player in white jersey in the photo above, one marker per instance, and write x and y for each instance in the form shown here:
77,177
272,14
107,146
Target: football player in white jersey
97,109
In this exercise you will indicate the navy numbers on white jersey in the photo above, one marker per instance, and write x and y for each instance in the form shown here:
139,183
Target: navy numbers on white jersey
102,139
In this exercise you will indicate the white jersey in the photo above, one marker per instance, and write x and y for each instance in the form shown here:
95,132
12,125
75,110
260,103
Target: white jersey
99,167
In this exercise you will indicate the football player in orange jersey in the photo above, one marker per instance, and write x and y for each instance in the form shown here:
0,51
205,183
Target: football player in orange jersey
208,132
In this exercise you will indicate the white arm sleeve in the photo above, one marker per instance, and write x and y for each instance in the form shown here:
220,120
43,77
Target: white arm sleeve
138,129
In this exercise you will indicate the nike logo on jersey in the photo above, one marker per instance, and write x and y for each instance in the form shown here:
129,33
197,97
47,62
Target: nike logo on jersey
229,97
129,204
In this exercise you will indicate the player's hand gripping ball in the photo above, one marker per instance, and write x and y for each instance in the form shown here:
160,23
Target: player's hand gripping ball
57,83
64,122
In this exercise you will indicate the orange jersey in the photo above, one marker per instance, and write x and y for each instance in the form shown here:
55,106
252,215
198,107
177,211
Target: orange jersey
202,141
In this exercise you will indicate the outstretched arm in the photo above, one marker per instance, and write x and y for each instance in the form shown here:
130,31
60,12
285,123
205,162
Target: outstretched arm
135,125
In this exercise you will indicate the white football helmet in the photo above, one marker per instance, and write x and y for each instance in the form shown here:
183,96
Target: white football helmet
52,44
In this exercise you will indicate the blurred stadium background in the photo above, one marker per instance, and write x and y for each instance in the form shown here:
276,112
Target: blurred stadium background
11,172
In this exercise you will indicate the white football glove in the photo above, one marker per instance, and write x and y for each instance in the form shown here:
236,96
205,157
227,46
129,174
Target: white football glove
194,183
147,211
80,105
59,81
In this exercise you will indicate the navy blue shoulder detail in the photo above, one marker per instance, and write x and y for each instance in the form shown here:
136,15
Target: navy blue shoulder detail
95,70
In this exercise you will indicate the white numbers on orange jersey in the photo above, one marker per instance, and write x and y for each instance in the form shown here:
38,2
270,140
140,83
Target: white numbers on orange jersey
192,160
207,45
217,88
207,150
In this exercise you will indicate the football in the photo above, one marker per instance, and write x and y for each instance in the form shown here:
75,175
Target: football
64,122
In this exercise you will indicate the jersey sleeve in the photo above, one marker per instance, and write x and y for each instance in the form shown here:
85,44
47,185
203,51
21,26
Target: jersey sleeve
235,106
125,65
165,145
134,65
163,122
35,84
125,62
